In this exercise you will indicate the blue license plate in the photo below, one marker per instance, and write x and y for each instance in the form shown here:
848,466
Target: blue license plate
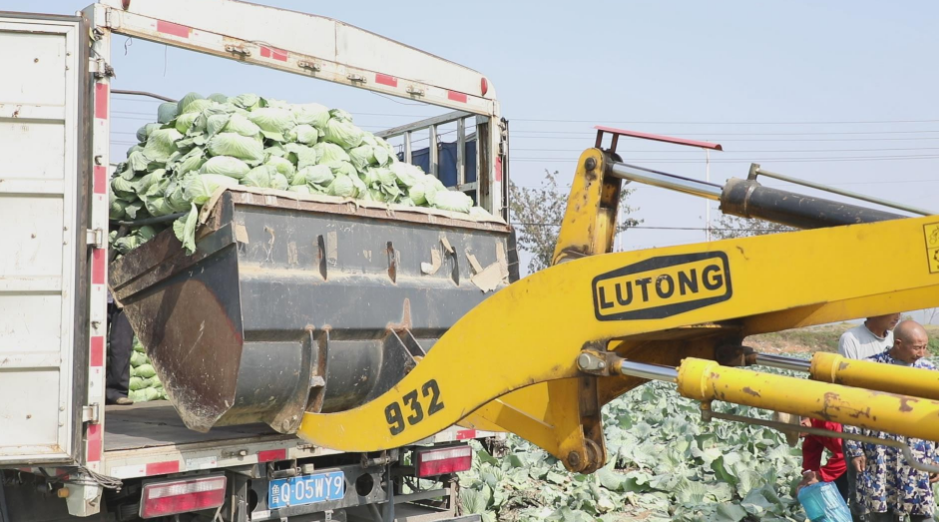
307,489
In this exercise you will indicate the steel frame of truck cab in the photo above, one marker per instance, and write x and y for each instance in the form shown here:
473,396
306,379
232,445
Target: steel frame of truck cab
299,43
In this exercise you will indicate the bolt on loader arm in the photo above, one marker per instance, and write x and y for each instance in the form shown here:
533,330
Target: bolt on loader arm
570,330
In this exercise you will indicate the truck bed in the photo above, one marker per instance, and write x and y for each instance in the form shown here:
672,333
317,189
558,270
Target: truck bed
150,438
155,424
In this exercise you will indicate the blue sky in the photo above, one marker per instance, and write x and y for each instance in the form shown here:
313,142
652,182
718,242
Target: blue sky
837,92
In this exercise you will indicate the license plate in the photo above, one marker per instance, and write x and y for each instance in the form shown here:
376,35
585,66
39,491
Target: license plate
308,489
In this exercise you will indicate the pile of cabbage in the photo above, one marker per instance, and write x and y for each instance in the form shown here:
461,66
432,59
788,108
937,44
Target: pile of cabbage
144,384
201,144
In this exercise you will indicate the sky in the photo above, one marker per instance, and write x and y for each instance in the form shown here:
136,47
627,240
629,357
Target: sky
841,93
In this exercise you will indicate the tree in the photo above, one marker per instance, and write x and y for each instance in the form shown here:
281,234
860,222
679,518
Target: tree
730,227
537,214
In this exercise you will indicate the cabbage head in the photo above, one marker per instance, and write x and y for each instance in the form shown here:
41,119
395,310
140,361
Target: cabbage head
144,132
162,144
300,189
342,168
185,101
311,114
184,121
305,134
340,115
245,101
452,200
274,123
361,157
408,175
166,112
226,166
201,187
261,177
315,175
342,186
343,133
328,152
282,165
216,122
244,148
240,124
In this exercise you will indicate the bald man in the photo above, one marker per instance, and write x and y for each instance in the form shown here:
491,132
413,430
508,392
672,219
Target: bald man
888,487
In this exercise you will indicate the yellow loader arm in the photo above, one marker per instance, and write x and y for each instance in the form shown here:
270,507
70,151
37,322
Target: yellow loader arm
577,335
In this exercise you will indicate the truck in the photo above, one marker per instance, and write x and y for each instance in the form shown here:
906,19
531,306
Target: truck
63,452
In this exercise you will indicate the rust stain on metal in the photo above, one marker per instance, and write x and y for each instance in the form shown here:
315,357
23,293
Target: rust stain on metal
406,323
843,365
750,391
905,404
861,413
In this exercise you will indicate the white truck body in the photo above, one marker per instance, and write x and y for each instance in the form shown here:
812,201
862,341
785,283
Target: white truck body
40,280
54,150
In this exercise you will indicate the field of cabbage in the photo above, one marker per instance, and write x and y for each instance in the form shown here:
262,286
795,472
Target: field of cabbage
665,464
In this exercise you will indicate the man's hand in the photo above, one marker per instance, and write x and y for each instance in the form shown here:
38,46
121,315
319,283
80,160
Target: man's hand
933,478
860,463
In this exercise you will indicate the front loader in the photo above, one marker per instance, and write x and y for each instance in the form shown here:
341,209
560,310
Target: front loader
541,356
598,324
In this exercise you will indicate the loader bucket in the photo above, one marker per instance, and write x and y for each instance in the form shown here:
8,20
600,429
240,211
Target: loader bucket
302,304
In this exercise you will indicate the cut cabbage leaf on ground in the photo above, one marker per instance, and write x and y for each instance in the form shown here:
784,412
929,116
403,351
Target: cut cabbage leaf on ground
201,144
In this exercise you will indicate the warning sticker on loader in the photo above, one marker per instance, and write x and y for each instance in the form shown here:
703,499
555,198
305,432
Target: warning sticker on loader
662,287
931,232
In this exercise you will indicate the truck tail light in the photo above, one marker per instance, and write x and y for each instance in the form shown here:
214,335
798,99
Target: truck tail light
182,496
444,460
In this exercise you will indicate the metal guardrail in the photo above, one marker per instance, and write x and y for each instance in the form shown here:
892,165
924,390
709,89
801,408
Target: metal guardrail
431,125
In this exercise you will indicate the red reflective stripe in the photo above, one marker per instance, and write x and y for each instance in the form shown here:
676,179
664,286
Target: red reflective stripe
97,351
174,29
271,52
465,434
499,170
101,180
162,468
267,456
94,442
101,101
456,96
97,266
384,79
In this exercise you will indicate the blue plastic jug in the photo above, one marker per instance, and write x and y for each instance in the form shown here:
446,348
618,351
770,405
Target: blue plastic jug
823,503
